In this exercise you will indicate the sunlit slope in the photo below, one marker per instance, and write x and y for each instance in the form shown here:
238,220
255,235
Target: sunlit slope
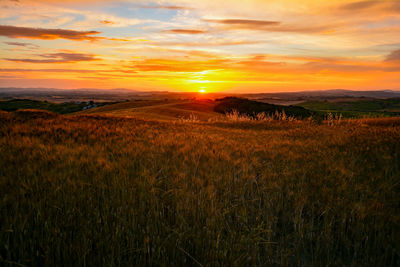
160,109
195,109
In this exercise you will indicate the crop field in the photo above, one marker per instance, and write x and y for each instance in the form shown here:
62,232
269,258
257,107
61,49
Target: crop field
111,190
200,133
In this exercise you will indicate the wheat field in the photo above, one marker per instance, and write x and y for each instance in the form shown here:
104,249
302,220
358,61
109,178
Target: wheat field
83,190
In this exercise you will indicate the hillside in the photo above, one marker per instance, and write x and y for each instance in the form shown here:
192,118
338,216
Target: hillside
207,109
108,190
201,109
251,107
160,109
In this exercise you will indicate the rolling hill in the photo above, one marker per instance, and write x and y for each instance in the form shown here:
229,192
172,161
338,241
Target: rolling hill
160,109
200,109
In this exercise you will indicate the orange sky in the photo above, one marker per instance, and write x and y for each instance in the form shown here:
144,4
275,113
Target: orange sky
212,45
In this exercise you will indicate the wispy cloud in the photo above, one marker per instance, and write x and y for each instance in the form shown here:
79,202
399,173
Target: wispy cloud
176,65
247,22
168,7
297,43
50,70
107,22
393,56
259,62
359,5
53,34
57,58
270,26
47,34
185,31
208,43
385,7
28,45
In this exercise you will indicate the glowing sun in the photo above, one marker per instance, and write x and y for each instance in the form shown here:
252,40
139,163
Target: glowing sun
202,91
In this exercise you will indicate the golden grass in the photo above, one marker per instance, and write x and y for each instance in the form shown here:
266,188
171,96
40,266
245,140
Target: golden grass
91,189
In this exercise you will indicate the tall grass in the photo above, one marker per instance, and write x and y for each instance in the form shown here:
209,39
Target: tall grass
235,115
191,118
91,190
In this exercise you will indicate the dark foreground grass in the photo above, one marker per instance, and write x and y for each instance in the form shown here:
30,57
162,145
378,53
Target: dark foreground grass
85,190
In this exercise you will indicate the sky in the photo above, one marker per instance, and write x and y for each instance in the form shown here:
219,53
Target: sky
243,46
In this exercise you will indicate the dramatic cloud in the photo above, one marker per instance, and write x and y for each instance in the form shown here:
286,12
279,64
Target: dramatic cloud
185,31
246,45
58,58
47,34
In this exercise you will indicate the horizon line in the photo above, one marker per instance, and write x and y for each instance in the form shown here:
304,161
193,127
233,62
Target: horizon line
222,92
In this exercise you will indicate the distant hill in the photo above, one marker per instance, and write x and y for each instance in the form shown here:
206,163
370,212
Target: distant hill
323,94
68,95
61,108
39,90
356,107
121,94
251,107
171,106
